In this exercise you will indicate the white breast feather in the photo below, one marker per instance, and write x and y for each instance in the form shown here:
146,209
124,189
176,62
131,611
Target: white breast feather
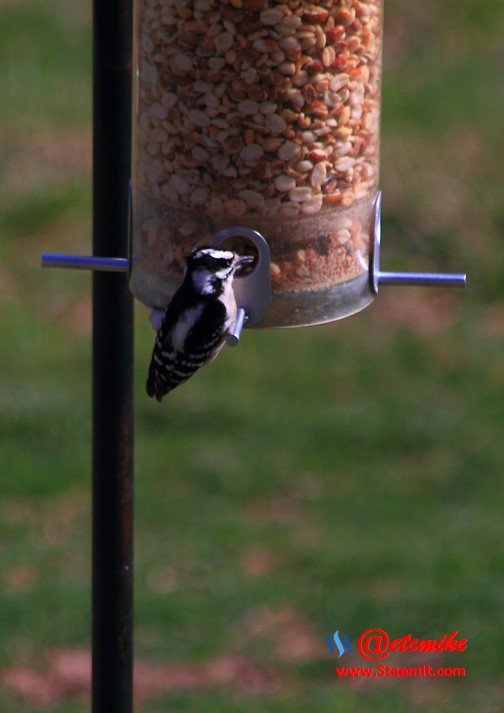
229,301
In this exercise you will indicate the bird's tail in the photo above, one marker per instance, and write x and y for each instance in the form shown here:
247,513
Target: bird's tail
151,381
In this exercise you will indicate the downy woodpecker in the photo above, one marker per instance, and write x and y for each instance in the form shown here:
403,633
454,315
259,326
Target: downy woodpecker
197,319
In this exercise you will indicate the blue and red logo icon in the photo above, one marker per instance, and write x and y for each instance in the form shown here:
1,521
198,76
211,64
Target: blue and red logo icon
375,644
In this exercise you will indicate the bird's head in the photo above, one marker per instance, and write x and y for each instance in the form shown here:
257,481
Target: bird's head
210,268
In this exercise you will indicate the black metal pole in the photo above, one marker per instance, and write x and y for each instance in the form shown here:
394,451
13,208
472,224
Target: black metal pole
112,555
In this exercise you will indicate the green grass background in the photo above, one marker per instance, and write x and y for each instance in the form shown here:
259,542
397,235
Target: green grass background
363,459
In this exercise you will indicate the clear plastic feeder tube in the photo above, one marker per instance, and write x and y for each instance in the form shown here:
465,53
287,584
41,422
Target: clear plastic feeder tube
262,114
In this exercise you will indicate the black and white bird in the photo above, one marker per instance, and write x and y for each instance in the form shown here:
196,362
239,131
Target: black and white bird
197,319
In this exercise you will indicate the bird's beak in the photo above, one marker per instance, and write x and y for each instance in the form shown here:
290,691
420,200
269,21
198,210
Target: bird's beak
242,261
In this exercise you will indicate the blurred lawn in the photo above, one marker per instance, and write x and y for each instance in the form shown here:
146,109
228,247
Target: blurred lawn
356,485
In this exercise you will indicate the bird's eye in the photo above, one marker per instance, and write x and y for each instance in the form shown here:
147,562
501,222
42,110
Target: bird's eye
221,263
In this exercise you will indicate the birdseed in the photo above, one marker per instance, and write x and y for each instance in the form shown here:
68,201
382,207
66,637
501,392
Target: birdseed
266,112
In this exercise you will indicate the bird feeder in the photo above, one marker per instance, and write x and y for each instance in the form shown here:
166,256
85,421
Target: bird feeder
259,116
256,123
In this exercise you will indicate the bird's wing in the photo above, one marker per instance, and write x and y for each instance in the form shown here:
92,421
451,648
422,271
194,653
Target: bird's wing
182,346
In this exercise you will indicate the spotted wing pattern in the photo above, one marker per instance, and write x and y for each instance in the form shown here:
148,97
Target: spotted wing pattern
178,354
